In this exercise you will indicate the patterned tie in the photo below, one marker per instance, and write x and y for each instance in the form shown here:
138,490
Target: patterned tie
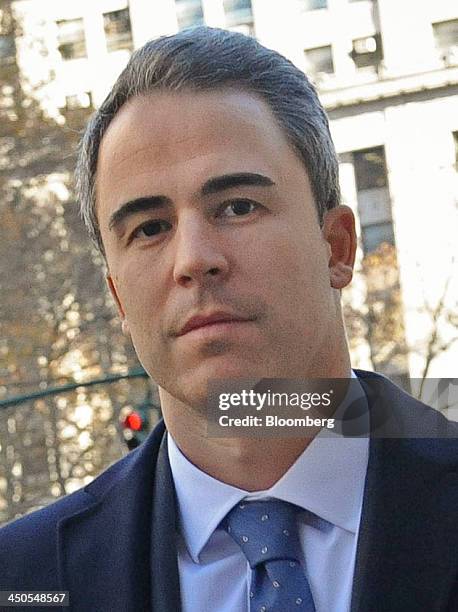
266,532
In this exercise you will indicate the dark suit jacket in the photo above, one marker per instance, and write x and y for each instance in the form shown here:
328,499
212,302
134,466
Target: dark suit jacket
112,543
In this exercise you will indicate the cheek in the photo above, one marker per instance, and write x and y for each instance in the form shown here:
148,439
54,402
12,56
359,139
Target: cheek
291,262
295,285
139,296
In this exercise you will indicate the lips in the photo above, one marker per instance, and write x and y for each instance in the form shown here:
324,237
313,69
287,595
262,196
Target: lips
202,320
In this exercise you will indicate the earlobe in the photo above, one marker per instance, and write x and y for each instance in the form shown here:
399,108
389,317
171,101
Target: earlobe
114,293
340,275
339,231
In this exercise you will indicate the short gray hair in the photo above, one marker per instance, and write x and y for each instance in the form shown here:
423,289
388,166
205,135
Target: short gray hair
203,59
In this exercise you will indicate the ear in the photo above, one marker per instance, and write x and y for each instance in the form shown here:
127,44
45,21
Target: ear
339,231
114,293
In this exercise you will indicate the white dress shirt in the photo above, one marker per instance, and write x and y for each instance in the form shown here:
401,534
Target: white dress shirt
327,479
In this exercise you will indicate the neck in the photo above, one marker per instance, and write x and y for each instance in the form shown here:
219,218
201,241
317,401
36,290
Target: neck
251,464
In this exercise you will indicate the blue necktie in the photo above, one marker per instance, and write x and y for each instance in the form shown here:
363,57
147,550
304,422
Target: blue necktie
266,531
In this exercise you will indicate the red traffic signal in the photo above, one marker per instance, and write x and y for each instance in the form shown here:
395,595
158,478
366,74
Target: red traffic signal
133,421
136,426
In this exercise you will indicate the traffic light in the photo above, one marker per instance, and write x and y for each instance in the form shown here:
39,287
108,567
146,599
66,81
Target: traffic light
136,426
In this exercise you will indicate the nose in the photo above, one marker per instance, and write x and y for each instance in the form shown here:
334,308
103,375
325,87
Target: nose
199,258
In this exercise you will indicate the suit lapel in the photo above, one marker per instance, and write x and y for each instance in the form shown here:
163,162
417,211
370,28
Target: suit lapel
408,534
105,555
165,586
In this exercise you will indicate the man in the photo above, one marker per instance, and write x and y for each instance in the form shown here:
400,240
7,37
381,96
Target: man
209,181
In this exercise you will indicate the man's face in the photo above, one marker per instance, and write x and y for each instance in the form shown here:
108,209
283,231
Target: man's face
221,219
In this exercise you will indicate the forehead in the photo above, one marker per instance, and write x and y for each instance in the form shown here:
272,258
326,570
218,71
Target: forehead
165,128
174,117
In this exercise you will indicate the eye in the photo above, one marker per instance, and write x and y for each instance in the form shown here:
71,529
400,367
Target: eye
240,208
149,229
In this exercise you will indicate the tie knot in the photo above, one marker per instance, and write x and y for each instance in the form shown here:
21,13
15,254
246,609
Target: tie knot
264,530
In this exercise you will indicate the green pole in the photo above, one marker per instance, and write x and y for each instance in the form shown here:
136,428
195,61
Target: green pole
19,399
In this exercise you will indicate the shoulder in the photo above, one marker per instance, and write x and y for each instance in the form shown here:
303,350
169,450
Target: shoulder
396,415
45,520
29,546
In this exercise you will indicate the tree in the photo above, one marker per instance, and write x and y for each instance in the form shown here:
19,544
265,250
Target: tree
57,323
381,320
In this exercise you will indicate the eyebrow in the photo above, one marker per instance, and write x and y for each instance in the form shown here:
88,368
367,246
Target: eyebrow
212,186
136,206
220,183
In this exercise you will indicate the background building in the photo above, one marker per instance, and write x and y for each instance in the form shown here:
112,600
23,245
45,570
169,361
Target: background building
387,74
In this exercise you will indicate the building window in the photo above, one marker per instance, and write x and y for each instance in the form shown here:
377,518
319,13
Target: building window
313,5
319,62
71,39
189,13
374,204
239,16
118,31
367,52
446,37
376,234
381,321
370,168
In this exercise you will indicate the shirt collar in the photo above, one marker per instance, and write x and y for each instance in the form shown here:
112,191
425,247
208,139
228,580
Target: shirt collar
326,479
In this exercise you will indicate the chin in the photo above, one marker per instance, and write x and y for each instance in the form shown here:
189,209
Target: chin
192,389
231,369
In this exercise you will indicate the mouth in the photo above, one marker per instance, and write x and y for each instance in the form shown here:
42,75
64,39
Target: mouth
214,322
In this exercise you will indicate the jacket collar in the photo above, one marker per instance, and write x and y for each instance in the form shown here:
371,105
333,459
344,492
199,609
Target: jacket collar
106,557
165,585
406,555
